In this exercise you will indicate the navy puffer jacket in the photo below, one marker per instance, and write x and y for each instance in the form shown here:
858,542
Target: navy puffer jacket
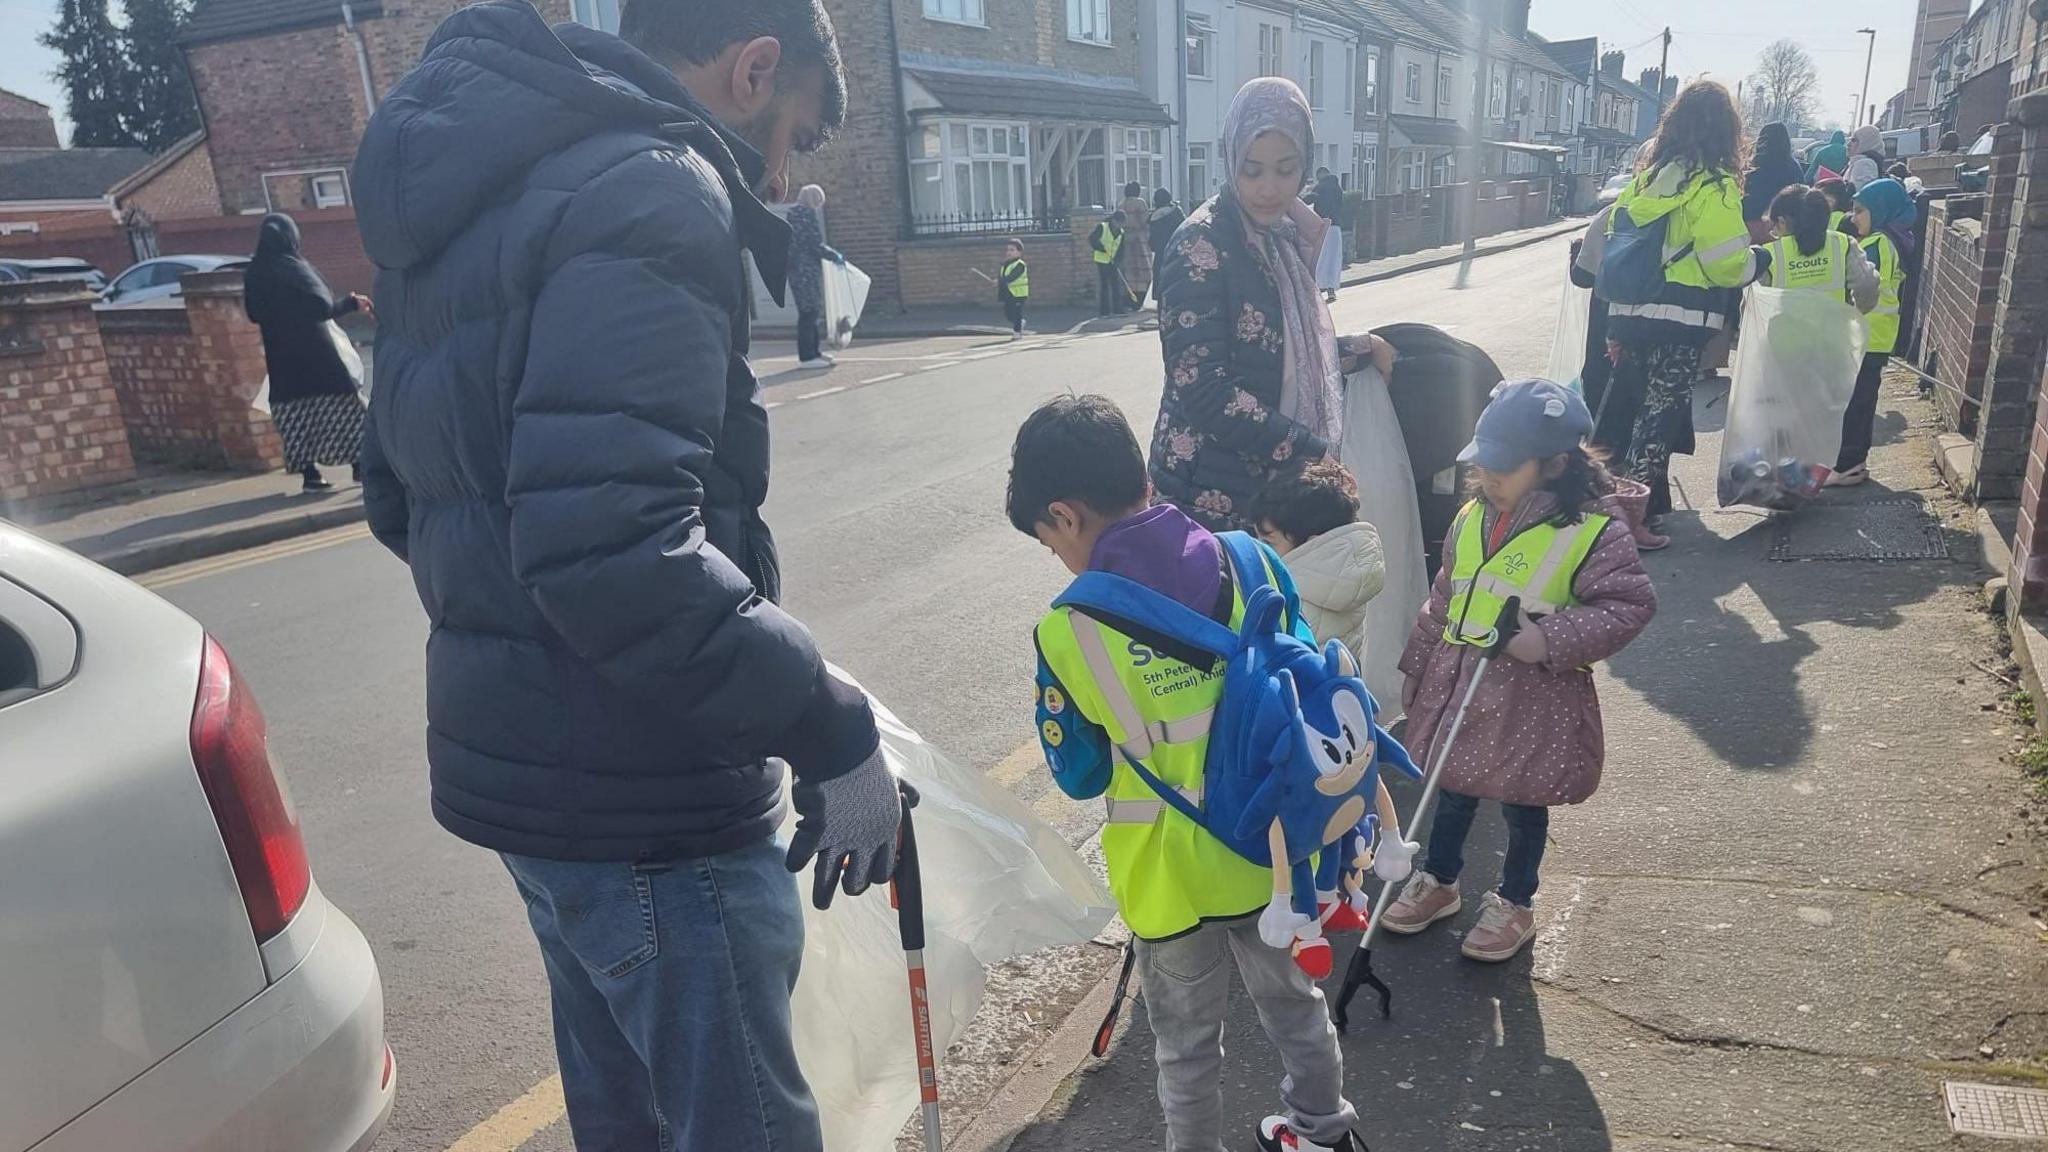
567,446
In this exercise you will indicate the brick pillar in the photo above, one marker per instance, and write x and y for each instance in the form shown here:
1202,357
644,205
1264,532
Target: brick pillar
229,351
2012,371
60,421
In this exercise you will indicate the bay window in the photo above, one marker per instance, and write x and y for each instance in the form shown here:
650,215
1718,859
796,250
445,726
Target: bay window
1141,156
964,171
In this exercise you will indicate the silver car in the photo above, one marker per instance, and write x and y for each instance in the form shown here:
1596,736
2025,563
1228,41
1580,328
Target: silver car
157,279
174,980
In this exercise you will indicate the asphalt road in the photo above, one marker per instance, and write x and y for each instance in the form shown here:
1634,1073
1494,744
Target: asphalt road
889,475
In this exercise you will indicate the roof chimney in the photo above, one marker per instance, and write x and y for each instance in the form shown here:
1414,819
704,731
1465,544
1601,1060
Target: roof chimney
1610,64
1515,18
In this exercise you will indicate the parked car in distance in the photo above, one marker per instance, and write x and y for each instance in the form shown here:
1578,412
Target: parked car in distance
1611,191
175,980
157,279
53,268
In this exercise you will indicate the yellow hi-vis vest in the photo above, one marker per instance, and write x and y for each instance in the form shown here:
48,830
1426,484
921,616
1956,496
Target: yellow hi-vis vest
1826,270
1891,276
1168,873
1020,288
1111,241
1537,564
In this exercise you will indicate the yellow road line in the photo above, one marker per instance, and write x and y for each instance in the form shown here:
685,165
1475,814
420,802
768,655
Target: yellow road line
213,566
513,1125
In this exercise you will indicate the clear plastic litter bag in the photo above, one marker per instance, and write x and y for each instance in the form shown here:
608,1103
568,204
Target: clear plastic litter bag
1568,346
998,882
1794,372
1378,459
846,297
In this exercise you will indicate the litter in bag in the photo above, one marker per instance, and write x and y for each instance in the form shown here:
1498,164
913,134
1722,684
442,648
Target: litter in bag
1377,456
998,882
846,297
1568,346
1794,372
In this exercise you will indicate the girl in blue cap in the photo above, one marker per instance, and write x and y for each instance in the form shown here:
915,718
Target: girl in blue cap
1884,217
1542,530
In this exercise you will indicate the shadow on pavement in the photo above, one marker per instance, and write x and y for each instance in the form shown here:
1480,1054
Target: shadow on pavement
1463,1063
211,516
1731,637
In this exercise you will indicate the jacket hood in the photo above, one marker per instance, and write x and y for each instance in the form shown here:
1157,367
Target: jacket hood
1165,551
496,92
1341,569
1866,139
1661,190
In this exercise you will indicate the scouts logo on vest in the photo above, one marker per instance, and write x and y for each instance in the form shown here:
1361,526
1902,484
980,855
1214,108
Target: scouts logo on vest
1515,565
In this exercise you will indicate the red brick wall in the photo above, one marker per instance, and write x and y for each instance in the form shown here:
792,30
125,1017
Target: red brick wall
1017,33
185,188
185,377
937,270
295,99
97,239
292,100
25,123
862,169
1958,298
60,421
328,235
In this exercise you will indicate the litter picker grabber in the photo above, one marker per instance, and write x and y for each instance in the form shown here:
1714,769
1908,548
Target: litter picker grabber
906,895
1359,972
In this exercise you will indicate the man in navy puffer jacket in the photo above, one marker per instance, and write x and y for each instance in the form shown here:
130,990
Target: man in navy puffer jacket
568,448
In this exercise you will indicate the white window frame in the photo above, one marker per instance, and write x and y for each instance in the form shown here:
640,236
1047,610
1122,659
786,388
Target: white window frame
270,204
1199,44
1443,170
1446,80
602,15
1315,74
1497,95
337,194
1088,22
1137,154
1272,59
973,13
1413,177
1571,107
1350,79
956,206
1364,166
1197,185
1412,84
20,227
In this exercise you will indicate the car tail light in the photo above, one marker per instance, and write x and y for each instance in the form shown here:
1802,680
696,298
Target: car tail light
249,802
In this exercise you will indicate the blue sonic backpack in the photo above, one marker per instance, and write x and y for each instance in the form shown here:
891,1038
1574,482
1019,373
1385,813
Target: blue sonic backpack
1294,746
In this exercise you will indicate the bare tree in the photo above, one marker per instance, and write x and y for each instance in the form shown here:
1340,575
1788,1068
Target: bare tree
1784,84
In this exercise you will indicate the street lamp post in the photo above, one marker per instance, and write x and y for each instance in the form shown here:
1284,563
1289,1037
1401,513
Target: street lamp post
1863,97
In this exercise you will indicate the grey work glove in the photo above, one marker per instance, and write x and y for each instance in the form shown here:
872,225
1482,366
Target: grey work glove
849,823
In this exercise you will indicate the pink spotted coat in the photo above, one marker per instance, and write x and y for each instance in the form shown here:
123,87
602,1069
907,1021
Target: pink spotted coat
1533,734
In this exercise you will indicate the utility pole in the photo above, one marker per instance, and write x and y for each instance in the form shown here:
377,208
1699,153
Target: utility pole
1482,103
1863,97
1663,70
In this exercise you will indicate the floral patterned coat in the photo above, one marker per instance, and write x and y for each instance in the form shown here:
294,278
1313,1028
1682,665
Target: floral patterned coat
1221,438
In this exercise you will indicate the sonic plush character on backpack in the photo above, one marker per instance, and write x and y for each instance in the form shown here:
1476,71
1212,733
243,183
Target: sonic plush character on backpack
1299,728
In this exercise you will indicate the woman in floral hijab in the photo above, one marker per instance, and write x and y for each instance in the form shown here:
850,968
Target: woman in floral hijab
1253,367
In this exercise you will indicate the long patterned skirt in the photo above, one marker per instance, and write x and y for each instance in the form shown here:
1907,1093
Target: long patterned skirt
320,430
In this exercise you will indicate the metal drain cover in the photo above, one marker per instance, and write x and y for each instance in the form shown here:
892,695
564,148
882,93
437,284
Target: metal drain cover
1996,1110
1892,529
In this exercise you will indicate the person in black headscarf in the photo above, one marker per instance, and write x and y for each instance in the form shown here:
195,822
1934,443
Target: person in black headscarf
313,391
1771,170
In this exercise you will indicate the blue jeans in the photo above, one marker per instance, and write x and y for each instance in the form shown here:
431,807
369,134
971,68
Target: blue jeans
1527,827
671,986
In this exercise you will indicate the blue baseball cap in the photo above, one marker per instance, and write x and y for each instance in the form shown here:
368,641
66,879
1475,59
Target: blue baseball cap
1527,420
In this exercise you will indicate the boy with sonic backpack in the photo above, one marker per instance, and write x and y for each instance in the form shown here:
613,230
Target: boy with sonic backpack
1173,681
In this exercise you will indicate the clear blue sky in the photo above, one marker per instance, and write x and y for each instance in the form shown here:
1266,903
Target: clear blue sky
1716,37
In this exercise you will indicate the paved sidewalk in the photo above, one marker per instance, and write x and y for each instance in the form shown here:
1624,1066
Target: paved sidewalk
978,320
1805,896
174,518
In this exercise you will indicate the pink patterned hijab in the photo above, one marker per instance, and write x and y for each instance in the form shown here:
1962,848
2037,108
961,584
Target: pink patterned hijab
1310,380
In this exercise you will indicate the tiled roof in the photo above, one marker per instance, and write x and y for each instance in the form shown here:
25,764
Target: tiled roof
1430,132
65,173
1574,56
229,19
1405,26
1037,98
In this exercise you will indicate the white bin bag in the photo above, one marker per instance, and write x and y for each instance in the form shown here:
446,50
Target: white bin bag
1794,372
1377,457
1568,346
846,297
998,882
